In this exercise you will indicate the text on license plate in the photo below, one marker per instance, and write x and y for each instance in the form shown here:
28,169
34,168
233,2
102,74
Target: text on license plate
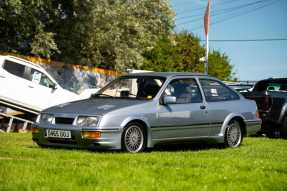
58,133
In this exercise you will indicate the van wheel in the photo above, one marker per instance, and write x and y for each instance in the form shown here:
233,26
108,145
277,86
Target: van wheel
134,138
233,134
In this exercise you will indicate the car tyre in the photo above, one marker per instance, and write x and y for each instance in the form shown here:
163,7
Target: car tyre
233,135
134,138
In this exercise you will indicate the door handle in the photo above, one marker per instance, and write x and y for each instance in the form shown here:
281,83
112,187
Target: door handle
2,76
31,86
202,107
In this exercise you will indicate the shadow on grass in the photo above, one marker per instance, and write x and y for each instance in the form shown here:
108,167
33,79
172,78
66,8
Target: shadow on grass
187,146
167,147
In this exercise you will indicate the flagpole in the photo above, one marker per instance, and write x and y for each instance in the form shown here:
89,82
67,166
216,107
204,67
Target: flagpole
206,55
206,30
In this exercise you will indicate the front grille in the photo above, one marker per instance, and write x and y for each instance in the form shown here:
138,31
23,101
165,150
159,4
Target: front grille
64,120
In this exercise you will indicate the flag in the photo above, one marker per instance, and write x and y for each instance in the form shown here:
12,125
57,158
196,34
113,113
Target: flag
206,18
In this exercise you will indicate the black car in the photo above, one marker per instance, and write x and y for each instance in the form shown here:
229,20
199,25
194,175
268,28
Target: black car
271,98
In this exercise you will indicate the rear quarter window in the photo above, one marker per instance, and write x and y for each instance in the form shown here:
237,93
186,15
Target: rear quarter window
216,91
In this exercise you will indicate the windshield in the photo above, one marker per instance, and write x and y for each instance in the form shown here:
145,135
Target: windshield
136,87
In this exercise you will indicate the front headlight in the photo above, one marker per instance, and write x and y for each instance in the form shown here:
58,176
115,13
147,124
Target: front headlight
86,121
47,118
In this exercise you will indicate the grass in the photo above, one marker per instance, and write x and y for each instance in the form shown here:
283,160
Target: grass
259,164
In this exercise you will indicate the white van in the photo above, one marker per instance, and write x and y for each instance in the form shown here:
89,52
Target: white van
28,85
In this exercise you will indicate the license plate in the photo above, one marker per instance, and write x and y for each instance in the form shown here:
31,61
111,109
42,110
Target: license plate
52,133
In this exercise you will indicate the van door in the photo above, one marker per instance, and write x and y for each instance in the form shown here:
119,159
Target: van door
41,88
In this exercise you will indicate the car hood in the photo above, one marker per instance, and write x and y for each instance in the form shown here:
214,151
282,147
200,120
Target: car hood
98,106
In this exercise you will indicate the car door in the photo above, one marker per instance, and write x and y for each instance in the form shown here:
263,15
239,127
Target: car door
219,101
186,117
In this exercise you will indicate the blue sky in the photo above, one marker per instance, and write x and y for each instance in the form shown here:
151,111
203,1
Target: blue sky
242,19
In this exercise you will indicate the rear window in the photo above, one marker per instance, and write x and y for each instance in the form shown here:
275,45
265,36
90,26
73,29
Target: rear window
271,86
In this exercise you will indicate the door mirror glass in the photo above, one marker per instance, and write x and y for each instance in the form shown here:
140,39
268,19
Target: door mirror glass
169,100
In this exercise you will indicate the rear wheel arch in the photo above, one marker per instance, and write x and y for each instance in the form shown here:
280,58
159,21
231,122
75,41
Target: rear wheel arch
241,123
234,133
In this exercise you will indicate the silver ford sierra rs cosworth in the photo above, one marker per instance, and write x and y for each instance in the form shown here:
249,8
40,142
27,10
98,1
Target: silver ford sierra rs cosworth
138,111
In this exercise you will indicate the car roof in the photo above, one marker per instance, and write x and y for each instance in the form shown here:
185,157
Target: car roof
166,74
275,79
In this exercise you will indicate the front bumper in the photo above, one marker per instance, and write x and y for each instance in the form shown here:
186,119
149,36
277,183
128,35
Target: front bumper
109,139
253,127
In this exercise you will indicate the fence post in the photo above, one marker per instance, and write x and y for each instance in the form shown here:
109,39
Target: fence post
10,125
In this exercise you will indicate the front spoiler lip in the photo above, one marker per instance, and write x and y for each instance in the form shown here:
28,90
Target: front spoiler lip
107,141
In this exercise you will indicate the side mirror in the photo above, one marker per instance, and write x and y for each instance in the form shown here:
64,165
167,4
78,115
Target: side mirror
169,100
54,87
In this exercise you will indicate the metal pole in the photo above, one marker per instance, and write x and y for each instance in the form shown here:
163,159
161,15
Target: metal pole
10,125
206,56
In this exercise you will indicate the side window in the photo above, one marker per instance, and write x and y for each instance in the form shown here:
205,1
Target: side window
215,91
40,78
14,68
185,91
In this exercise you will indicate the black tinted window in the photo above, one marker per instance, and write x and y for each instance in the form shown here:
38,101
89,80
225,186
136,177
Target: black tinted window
185,91
215,91
14,68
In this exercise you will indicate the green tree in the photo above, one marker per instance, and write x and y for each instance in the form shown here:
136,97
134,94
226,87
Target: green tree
107,33
182,52
163,57
23,27
114,34
219,66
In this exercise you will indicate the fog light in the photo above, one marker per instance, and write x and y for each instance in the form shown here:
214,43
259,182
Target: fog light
91,134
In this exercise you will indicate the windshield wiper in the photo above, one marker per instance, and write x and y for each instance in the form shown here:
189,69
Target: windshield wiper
99,95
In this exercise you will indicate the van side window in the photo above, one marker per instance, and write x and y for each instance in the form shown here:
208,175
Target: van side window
14,68
40,78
